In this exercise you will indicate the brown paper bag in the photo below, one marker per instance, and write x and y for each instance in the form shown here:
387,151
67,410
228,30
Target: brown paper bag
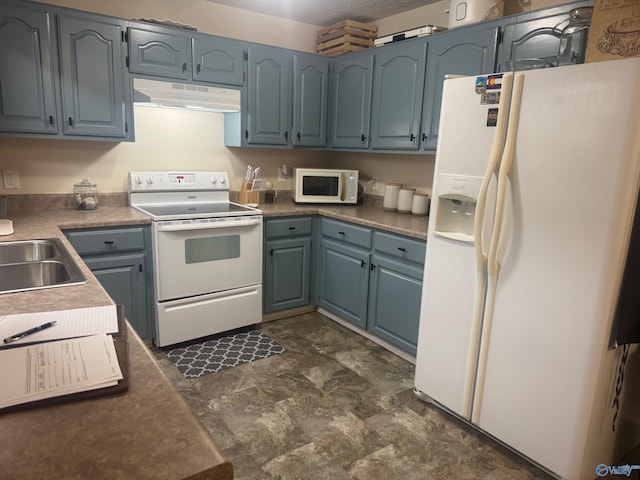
615,30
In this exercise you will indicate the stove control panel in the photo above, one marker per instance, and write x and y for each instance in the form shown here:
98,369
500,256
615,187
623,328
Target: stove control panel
177,181
183,178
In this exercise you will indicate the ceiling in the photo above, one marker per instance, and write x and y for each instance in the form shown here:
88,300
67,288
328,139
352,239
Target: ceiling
327,12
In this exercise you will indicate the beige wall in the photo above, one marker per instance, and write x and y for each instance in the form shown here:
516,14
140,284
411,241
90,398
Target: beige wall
208,17
171,139
166,139
432,14
436,14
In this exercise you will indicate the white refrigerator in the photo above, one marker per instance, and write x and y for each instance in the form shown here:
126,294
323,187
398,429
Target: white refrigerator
535,188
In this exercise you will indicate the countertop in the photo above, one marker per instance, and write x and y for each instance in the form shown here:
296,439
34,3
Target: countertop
150,431
49,223
370,216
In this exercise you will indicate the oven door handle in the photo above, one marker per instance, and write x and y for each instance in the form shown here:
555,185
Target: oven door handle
209,225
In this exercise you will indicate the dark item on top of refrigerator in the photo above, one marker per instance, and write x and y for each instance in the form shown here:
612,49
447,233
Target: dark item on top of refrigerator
626,326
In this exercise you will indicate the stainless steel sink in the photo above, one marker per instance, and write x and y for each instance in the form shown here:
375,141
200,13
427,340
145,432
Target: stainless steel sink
26,251
35,264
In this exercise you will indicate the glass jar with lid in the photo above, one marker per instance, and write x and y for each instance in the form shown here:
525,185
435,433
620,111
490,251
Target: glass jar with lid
85,195
573,37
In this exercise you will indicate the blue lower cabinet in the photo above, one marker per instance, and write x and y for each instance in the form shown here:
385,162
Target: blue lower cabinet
122,276
343,281
287,275
371,279
395,290
120,260
287,263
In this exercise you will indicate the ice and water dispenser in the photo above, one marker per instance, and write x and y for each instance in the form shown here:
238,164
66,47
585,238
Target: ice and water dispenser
456,212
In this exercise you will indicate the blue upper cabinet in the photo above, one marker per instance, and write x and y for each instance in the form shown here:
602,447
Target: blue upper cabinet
398,82
183,55
92,74
217,60
268,96
350,107
462,52
310,85
534,39
27,88
286,101
153,51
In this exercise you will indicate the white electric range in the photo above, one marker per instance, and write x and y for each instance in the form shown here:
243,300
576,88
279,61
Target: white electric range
207,254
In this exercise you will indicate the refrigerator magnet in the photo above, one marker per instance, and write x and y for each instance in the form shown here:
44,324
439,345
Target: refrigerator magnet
490,98
492,117
481,85
494,82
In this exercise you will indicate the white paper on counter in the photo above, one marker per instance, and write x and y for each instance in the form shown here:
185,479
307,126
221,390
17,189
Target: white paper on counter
51,369
71,323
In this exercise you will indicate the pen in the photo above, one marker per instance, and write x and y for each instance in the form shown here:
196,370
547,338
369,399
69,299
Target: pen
20,335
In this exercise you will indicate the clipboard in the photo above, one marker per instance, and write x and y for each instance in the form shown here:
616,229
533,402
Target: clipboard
122,352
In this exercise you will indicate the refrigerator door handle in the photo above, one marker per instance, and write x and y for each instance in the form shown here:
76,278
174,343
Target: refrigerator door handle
506,164
493,165
493,264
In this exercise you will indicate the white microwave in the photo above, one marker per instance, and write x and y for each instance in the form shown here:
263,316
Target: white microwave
323,185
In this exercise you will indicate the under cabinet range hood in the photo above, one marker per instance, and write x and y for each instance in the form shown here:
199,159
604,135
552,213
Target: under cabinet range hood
152,93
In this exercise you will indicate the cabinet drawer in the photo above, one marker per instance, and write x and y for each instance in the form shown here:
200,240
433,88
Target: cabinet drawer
399,247
288,227
346,232
101,241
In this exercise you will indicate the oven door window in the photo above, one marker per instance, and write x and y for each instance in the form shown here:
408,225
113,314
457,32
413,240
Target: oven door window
320,186
210,249
204,258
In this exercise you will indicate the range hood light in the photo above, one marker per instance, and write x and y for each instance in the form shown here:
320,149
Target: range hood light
176,95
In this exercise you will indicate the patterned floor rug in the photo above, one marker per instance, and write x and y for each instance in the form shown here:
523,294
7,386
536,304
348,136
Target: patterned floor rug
220,352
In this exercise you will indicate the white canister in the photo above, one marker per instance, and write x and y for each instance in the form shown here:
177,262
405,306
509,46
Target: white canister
420,205
390,201
405,199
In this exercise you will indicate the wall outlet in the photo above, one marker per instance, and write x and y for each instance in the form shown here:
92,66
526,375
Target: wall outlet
375,186
283,172
10,178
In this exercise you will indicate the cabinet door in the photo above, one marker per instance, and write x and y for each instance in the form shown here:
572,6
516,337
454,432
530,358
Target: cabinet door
394,302
218,60
351,101
122,276
92,71
286,274
159,53
537,37
398,82
343,281
468,51
268,100
27,95
310,84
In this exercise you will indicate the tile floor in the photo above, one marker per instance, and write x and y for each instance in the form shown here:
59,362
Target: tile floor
336,406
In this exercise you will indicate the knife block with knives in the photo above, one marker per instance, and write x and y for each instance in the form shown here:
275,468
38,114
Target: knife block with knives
249,193
250,187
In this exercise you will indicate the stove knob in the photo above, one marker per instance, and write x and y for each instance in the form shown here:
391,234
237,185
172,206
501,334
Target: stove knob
149,179
139,180
213,180
222,180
